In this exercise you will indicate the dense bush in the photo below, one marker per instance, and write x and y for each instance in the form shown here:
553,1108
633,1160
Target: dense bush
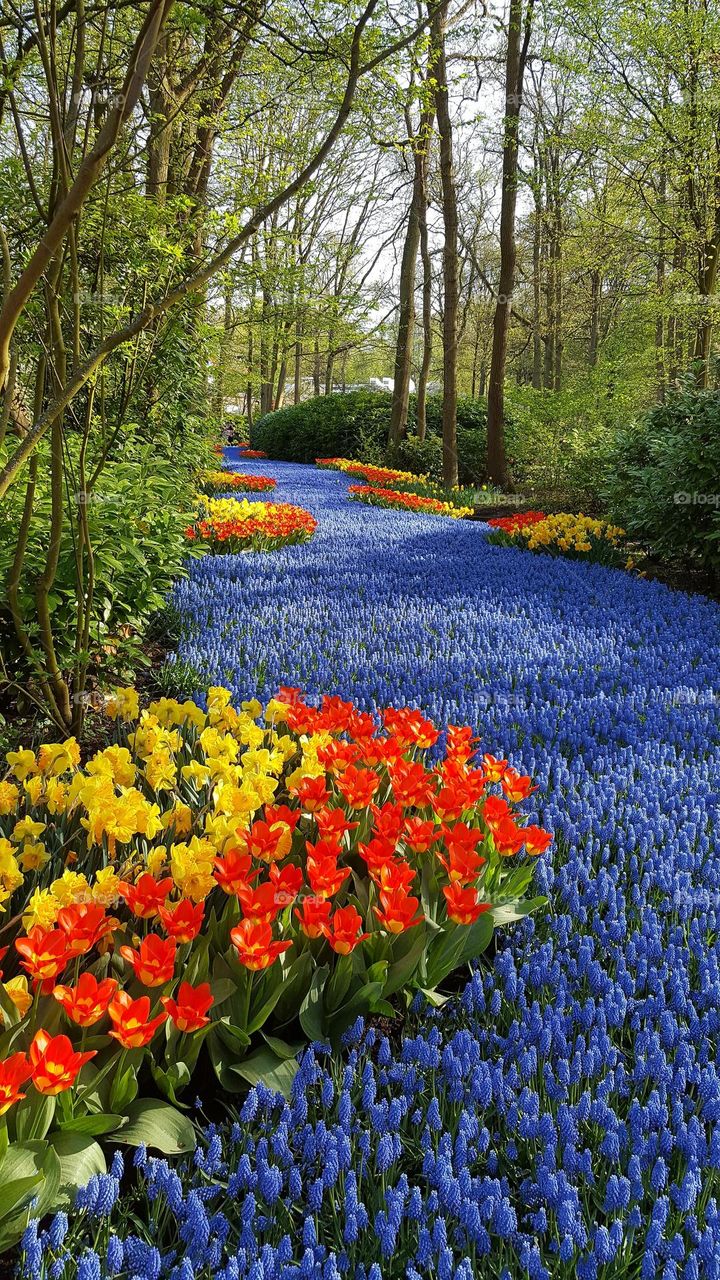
327,426
356,425
663,480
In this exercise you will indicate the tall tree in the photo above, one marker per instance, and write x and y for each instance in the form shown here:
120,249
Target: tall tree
518,41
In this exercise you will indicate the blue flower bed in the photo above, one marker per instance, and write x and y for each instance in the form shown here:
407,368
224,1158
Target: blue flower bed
562,1118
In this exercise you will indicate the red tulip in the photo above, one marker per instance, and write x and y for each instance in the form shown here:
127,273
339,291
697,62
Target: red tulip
254,944
86,1002
147,896
133,1027
343,930
182,920
14,1071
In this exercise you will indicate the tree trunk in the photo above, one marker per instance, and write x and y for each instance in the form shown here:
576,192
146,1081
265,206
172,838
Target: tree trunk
537,373
406,320
517,48
421,408
451,283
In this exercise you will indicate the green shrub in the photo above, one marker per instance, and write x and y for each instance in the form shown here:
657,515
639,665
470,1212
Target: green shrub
662,483
356,425
421,457
325,427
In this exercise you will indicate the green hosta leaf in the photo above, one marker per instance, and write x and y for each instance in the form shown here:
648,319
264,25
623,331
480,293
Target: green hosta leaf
156,1124
276,1072
79,1158
94,1125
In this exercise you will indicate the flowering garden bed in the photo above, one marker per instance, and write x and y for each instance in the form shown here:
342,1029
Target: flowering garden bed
229,525
559,1119
394,500
213,482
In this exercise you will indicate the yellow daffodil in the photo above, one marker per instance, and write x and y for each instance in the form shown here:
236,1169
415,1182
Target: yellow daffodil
55,758
17,990
27,829
9,796
42,909
106,887
21,763
123,704
33,857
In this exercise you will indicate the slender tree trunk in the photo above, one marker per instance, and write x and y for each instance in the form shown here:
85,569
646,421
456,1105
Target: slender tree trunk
316,366
427,318
406,319
517,47
594,339
451,283
537,373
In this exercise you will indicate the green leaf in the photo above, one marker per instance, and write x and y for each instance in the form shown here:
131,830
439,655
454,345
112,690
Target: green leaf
94,1125
282,1048
153,1123
79,1158
401,970
34,1116
263,1064
456,947
312,1007
507,912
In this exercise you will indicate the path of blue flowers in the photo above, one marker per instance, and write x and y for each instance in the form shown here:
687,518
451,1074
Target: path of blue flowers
585,1067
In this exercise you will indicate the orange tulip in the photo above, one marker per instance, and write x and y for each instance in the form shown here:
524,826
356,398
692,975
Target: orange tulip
288,883
463,905
389,821
419,835
358,786
233,870
84,925
281,813
508,838
14,1071
495,810
189,1011
182,920
460,743
260,902
254,944
399,911
536,840
516,786
268,842
312,793
412,784
55,1064
312,916
494,768
147,896
343,931
45,951
332,823
132,1026
325,876
86,1003
154,962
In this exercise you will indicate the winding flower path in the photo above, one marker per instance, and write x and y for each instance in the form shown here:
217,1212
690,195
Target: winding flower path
604,1014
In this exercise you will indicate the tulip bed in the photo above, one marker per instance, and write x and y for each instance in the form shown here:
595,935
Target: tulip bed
396,501
214,482
561,1118
228,525
576,536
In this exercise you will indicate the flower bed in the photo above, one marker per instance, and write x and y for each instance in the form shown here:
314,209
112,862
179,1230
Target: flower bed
577,537
227,875
396,501
229,525
251,453
213,482
564,1111
514,523
371,474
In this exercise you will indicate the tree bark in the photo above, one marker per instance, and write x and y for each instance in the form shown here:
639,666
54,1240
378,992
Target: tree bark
517,47
451,282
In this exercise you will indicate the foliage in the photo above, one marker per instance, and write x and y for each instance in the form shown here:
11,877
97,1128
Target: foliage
663,479
136,526
420,457
228,525
325,426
